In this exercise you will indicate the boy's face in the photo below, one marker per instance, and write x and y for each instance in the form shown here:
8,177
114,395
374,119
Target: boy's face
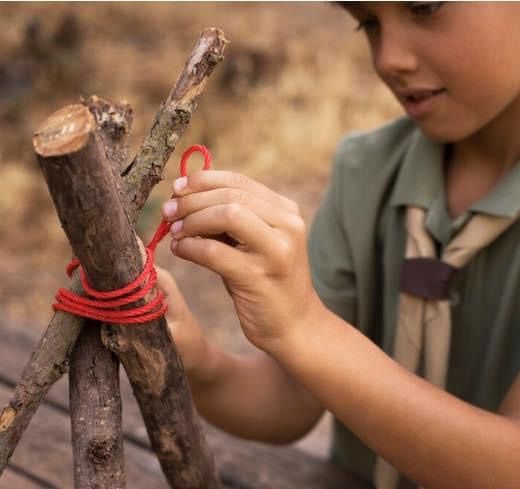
454,67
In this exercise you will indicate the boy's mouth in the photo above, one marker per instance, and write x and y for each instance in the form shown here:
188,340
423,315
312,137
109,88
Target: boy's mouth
419,102
419,95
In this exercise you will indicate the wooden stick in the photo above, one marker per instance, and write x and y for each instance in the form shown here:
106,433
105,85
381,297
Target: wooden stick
83,190
114,121
96,416
171,120
95,399
50,359
68,146
241,463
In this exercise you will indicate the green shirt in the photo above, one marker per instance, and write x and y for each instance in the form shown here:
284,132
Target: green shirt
356,248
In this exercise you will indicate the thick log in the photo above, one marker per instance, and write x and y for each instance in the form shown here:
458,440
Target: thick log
51,357
49,360
95,399
94,376
83,190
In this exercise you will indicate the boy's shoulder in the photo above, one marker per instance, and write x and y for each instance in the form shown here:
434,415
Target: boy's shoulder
366,153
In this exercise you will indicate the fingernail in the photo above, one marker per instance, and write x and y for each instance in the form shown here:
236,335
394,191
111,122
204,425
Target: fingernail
176,227
174,244
180,184
170,208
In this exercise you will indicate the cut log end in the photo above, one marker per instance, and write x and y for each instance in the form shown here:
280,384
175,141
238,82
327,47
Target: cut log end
64,132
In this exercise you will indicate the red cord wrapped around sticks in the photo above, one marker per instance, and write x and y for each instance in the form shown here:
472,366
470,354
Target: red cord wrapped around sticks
104,306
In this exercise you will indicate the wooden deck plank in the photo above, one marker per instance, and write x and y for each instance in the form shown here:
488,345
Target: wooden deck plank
13,480
243,464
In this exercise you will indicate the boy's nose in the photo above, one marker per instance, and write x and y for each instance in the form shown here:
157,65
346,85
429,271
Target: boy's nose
394,56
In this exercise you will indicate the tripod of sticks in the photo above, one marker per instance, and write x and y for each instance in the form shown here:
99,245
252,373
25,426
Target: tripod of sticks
82,151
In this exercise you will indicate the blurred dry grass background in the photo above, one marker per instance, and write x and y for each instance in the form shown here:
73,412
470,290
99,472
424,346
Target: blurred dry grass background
295,78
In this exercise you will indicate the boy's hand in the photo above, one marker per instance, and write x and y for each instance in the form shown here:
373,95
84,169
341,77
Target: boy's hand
266,267
186,333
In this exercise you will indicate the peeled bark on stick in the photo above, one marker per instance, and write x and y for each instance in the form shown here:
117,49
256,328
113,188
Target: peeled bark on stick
49,361
84,193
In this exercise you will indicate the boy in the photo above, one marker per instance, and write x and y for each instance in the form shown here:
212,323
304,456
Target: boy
415,244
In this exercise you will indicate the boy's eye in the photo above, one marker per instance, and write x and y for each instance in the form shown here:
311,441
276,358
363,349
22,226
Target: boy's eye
369,25
424,8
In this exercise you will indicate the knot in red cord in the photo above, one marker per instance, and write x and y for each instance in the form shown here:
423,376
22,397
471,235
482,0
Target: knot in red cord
104,306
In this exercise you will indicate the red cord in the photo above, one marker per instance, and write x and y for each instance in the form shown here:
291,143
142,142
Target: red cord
103,306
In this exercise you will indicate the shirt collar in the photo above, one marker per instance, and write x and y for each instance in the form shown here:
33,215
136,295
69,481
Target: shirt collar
422,173
504,199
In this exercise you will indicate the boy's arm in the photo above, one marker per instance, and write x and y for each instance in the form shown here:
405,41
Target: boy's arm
431,436
253,397
248,396
510,406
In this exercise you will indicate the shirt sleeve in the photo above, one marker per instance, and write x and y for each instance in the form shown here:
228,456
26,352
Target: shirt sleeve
330,253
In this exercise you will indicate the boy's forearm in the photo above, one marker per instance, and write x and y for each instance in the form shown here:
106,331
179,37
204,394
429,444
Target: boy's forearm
253,397
431,436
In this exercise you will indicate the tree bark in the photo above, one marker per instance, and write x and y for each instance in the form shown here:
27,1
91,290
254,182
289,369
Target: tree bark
95,408
83,190
49,361
95,399
171,120
241,463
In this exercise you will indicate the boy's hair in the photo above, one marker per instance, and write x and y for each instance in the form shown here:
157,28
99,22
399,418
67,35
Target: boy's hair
344,5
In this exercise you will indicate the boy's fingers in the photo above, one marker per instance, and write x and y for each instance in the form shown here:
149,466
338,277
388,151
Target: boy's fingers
203,180
179,208
234,220
165,281
218,257
167,285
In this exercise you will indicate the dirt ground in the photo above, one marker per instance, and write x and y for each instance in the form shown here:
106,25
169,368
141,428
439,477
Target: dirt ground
296,77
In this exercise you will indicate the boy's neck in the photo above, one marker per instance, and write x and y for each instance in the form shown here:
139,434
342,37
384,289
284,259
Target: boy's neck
497,144
475,164
467,181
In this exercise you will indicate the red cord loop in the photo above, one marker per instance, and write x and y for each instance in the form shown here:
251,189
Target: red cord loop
192,149
103,306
